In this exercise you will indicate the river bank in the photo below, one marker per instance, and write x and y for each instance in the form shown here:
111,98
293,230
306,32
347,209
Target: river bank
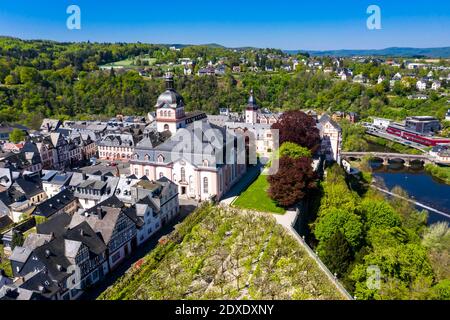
441,173
421,186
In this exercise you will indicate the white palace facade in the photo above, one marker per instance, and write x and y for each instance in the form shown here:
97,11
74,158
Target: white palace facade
200,157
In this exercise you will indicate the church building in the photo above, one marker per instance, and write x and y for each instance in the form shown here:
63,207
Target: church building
207,165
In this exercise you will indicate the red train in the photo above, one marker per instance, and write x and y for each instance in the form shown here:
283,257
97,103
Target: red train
416,137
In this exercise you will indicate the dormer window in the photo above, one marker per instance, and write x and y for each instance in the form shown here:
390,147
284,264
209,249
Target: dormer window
160,158
147,157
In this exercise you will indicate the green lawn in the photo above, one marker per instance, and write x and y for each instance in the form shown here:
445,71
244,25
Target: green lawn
256,197
442,173
128,63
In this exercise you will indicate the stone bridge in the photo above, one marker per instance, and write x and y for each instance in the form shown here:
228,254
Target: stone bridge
387,157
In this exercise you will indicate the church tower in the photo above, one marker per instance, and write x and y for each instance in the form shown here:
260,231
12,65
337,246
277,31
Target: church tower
251,111
170,113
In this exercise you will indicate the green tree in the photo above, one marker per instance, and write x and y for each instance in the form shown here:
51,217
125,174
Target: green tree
334,220
378,214
17,239
336,254
16,135
441,291
294,151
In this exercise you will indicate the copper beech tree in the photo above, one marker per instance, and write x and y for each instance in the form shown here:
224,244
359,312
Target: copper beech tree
293,179
298,127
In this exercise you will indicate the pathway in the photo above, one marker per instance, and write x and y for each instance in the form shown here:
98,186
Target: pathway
288,221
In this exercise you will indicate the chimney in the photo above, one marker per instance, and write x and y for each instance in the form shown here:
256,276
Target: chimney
99,212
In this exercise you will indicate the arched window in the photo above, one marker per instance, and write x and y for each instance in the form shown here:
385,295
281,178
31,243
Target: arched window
205,185
136,156
183,174
160,158
161,113
147,172
169,113
165,113
161,175
146,157
174,177
166,127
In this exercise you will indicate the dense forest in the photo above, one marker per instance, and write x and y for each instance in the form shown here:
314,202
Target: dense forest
49,79
360,232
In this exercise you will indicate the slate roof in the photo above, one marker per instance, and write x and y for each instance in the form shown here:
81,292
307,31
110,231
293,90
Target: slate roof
35,240
29,187
20,254
85,234
53,256
52,205
13,293
5,221
39,284
326,118
57,225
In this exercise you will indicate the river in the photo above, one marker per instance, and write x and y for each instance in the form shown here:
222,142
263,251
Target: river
420,185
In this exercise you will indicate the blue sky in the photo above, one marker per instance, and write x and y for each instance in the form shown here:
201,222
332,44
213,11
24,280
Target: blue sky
313,25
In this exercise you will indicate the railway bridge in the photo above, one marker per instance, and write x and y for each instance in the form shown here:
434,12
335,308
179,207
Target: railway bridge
388,157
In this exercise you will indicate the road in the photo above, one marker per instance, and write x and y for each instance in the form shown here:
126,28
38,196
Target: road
187,206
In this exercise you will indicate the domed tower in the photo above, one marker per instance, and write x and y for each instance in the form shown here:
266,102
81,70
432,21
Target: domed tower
170,113
251,111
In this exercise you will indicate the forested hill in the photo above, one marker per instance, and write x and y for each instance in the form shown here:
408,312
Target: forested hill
388,52
40,78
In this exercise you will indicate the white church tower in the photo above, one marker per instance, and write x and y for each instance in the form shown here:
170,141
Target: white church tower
170,113
251,111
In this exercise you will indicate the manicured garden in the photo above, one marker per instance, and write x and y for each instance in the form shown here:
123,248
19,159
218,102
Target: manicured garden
256,197
224,253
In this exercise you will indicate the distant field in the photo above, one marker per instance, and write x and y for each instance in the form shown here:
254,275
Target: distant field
129,63
256,197
222,253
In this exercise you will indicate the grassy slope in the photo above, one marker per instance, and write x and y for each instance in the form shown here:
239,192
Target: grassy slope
256,197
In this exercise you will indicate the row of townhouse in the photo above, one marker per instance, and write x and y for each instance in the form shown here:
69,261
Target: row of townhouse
63,145
75,248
